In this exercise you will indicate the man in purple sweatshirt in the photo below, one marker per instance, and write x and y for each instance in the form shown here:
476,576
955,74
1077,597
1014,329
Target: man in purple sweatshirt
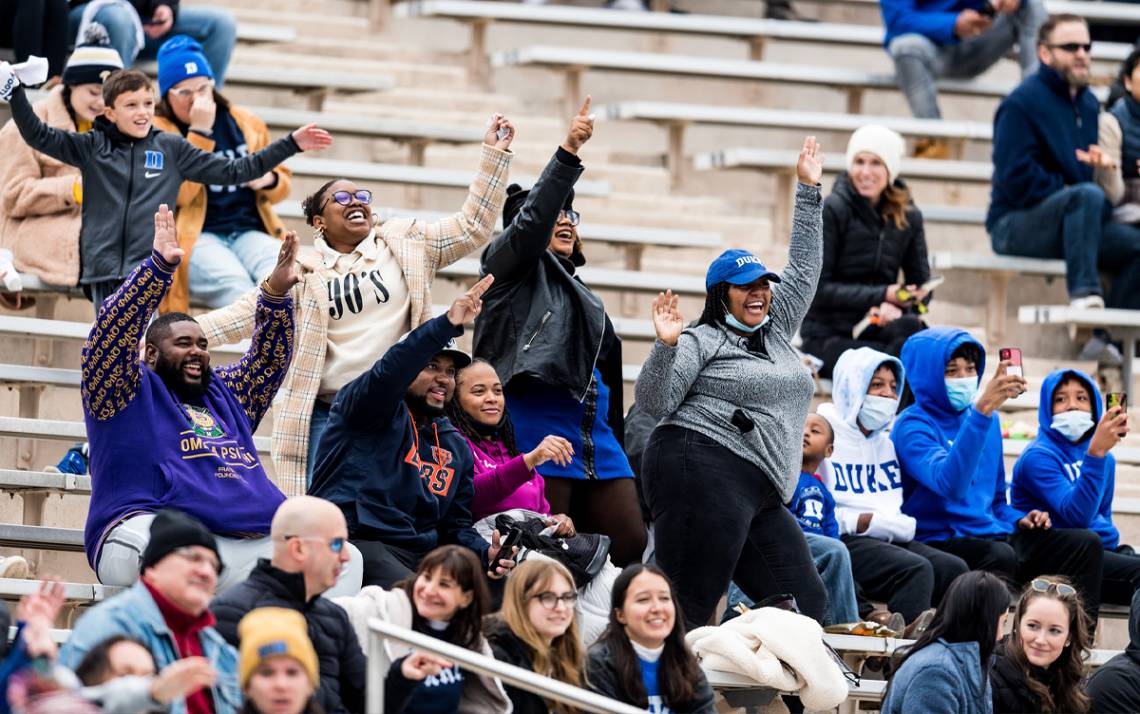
167,431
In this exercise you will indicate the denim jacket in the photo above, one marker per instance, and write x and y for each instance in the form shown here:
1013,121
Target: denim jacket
135,614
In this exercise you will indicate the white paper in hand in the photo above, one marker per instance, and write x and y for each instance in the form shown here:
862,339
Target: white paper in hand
33,72
8,81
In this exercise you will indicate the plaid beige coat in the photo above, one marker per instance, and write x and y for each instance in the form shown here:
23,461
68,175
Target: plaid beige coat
420,248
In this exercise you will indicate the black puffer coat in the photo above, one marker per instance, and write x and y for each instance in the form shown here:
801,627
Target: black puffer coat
1011,691
342,663
862,255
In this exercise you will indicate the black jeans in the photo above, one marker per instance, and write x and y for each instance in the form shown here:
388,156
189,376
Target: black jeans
889,339
909,577
716,518
1121,577
1076,553
385,565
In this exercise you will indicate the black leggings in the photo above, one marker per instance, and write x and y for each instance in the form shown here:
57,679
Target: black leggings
36,27
716,518
602,506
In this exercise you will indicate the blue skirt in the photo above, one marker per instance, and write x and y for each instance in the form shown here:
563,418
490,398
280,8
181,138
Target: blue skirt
538,410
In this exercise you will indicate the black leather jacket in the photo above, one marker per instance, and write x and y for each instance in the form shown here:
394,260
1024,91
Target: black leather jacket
539,320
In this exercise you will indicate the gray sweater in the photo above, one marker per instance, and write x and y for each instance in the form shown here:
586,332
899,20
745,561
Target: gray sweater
709,374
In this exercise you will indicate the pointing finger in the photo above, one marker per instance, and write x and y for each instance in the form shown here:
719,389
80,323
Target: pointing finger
585,110
481,287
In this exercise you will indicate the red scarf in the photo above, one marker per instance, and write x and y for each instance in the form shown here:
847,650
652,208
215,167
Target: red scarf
185,628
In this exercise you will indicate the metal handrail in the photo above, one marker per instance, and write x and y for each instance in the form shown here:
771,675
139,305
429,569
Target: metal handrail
546,687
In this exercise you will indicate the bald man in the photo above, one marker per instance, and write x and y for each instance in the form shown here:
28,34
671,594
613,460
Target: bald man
311,557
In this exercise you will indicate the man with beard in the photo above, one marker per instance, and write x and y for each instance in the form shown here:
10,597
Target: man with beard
169,432
1045,202
400,472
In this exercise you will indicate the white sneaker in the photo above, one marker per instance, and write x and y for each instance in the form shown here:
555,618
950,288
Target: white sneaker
1088,302
14,566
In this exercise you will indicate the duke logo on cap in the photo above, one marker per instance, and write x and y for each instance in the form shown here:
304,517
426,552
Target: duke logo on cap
738,267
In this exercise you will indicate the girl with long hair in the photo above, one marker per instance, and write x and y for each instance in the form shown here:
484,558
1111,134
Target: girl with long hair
945,670
537,630
642,658
1040,667
446,599
505,478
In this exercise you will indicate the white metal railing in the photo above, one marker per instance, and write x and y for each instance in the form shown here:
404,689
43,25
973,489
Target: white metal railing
546,687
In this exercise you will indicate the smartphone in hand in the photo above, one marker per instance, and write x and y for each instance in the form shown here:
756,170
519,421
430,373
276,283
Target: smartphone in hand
1116,399
1013,356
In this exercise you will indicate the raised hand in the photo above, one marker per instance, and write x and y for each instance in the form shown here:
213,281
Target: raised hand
581,128
498,567
286,274
166,236
499,123
1113,427
809,168
469,304
418,666
203,111
667,320
552,448
312,138
181,678
1000,389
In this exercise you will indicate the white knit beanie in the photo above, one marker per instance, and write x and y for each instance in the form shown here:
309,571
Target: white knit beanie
880,141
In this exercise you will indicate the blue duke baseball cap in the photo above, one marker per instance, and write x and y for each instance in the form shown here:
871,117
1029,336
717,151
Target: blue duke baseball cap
738,267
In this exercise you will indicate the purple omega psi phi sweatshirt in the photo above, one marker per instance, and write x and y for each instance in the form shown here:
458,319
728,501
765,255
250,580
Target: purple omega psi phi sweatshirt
152,450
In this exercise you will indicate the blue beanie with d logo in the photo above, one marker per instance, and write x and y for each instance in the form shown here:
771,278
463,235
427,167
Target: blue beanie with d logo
180,58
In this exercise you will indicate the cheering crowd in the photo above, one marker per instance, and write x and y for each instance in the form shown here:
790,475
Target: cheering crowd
492,500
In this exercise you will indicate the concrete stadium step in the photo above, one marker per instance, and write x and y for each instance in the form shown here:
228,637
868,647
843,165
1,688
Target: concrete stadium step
71,431
41,537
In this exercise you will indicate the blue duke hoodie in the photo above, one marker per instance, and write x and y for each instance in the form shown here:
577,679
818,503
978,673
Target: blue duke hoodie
1058,476
933,19
814,507
405,484
953,474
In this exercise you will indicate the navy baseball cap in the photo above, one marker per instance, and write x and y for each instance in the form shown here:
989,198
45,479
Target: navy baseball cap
738,267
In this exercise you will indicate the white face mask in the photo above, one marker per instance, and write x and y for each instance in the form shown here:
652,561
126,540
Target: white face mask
1072,424
877,412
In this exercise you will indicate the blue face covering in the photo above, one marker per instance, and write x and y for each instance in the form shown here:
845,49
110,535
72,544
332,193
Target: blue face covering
961,391
731,321
1072,424
877,412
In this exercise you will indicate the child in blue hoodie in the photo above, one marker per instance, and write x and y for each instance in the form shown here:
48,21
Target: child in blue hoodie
949,447
1069,471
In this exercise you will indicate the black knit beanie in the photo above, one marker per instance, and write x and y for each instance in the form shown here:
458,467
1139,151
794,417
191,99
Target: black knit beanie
172,530
516,197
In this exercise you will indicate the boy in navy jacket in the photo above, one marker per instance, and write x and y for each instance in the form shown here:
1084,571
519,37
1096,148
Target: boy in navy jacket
400,471
953,474
1068,471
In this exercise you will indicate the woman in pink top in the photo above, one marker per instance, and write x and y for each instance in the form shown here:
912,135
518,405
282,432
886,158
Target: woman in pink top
504,478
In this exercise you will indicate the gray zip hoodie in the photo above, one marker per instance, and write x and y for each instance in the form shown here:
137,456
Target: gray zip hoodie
709,375
126,179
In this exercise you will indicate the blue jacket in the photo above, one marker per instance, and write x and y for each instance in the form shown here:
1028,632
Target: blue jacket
941,678
135,614
953,474
404,484
1058,476
814,507
1037,130
934,19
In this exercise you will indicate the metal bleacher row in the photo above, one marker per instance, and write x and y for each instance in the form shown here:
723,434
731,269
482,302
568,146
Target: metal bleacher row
329,97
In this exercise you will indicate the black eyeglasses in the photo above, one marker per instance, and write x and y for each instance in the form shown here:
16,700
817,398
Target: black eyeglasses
345,197
550,600
1042,585
573,216
1072,47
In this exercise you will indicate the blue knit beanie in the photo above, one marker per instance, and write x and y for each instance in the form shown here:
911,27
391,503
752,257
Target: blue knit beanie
180,58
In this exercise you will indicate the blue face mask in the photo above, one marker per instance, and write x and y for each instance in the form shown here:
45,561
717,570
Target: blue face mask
1072,424
731,321
961,391
877,412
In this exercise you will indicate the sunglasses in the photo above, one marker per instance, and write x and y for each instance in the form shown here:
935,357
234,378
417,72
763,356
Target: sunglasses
573,216
1042,585
345,197
1072,47
336,545
550,600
